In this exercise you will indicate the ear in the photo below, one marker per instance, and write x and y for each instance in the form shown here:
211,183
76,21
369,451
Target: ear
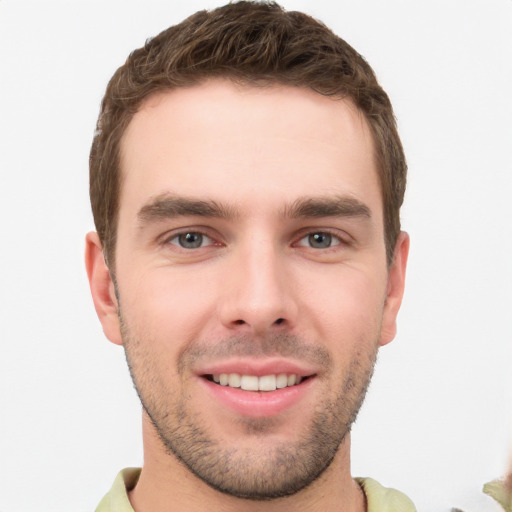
395,288
102,288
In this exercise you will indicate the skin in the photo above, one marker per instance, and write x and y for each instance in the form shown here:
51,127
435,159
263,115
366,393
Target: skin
258,290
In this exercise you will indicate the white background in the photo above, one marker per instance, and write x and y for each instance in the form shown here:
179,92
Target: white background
437,423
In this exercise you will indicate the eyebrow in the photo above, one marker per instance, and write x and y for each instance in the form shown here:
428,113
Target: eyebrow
337,206
168,207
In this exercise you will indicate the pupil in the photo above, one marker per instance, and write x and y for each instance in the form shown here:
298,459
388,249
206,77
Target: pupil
320,240
191,240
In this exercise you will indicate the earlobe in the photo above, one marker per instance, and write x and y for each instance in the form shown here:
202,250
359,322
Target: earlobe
395,288
102,288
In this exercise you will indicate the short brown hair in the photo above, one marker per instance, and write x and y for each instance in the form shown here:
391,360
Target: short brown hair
256,43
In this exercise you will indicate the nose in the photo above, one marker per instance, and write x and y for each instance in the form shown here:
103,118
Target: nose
259,293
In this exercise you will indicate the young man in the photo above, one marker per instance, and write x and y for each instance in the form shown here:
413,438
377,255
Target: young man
246,181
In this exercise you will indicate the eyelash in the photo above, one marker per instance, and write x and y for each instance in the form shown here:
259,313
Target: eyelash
202,234
334,239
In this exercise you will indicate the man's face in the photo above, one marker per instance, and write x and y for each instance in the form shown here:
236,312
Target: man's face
250,254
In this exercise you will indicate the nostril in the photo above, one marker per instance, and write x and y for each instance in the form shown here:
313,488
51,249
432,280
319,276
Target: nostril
279,321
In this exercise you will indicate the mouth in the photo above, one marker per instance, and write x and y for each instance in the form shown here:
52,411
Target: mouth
265,383
259,393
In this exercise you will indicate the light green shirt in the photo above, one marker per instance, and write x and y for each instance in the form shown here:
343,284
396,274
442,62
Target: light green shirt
379,499
501,492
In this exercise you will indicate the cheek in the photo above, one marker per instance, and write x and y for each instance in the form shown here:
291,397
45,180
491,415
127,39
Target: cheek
346,294
168,306
348,310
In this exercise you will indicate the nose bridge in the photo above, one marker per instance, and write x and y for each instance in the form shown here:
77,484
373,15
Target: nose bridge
258,294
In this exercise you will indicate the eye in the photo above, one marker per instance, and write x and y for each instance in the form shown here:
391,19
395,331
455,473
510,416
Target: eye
191,240
319,240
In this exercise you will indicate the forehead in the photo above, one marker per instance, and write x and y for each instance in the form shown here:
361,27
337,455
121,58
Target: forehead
237,141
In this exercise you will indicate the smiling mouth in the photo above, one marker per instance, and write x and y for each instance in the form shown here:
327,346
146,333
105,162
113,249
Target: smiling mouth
255,383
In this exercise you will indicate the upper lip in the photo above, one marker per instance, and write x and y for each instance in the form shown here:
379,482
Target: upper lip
259,368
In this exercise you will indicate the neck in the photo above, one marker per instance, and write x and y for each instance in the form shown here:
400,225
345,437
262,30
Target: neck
166,485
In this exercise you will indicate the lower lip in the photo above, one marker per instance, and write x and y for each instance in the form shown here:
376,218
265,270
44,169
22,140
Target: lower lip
258,404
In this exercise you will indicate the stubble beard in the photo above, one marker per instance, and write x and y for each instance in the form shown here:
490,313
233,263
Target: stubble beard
276,471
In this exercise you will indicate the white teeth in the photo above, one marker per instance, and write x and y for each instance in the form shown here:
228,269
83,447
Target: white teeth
235,380
267,383
282,381
249,383
254,383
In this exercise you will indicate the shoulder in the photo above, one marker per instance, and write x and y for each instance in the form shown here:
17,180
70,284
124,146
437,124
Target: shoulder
384,499
379,498
116,500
